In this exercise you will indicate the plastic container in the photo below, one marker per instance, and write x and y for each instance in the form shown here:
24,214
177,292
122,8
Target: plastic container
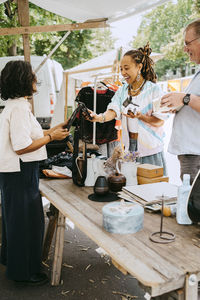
183,192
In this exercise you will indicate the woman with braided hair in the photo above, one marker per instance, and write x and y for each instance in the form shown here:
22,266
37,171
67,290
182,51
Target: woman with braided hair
142,128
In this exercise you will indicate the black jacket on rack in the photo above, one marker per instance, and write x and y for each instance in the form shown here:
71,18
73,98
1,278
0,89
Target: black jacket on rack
105,132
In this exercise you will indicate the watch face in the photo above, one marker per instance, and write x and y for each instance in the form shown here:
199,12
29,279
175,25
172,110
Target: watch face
186,99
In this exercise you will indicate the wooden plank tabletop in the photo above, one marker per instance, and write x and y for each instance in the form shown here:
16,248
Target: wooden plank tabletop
160,268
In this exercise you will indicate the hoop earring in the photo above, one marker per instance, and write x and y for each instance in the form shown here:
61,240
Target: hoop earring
138,76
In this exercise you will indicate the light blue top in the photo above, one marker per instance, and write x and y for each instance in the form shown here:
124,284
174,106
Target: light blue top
150,138
185,132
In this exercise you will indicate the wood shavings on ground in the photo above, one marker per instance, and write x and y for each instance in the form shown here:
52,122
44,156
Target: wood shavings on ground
82,246
104,280
64,293
104,255
87,267
117,277
85,249
107,260
125,296
66,241
67,266
91,280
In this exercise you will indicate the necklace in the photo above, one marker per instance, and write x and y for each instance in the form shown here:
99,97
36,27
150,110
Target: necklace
139,88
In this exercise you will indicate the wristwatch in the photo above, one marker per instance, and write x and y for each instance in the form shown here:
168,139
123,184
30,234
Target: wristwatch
186,99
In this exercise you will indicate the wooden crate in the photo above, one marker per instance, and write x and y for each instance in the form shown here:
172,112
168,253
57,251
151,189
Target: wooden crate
149,171
144,180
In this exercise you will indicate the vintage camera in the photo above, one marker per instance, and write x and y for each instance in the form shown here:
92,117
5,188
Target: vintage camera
134,108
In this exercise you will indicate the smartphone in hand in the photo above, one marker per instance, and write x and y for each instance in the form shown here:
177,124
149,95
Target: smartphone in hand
81,108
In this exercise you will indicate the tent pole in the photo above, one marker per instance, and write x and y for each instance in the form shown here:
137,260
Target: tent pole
66,94
52,51
23,15
95,109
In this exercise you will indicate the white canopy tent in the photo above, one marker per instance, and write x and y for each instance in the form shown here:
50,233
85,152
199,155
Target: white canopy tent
81,11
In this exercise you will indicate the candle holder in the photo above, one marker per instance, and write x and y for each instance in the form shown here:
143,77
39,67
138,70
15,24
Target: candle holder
162,237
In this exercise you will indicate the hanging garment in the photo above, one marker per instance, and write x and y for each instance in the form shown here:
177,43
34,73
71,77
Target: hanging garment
105,132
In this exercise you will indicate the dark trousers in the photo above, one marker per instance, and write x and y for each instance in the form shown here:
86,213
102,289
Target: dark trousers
22,222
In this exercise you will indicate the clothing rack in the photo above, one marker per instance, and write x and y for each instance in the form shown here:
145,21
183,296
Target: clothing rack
95,99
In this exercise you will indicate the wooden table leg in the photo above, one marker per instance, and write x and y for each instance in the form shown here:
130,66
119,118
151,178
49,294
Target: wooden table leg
191,287
53,217
58,252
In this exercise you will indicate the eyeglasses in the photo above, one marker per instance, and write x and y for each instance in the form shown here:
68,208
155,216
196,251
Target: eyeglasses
186,44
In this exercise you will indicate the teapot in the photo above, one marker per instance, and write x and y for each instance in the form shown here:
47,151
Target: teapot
116,182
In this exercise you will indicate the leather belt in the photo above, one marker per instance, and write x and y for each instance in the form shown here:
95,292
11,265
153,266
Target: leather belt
133,135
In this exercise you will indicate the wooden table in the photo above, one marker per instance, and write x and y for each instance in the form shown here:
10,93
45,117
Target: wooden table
160,268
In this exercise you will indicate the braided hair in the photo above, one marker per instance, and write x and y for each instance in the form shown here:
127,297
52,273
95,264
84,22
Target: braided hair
142,55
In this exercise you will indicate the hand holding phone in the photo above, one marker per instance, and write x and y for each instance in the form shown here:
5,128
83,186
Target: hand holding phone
82,109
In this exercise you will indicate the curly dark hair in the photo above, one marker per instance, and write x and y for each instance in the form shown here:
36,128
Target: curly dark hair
141,55
16,80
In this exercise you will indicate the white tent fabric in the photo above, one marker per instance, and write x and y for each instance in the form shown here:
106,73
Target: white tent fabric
82,10
97,62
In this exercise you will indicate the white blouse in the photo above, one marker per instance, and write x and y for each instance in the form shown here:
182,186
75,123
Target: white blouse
18,129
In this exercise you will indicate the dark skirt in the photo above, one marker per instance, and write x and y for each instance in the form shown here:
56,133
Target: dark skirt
22,222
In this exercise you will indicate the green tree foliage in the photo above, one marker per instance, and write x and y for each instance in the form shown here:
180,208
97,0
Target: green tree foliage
163,28
102,41
8,43
73,50
197,6
78,47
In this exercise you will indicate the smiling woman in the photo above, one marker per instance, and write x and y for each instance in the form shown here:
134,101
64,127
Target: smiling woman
133,104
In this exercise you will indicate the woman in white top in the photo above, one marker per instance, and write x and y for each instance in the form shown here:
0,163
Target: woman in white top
142,129
22,146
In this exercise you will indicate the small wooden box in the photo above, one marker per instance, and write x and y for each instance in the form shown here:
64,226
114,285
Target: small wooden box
144,180
149,171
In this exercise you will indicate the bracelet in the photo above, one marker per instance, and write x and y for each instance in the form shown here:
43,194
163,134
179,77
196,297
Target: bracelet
103,118
50,136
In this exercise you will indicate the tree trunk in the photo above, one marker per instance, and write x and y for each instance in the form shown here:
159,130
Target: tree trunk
12,51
